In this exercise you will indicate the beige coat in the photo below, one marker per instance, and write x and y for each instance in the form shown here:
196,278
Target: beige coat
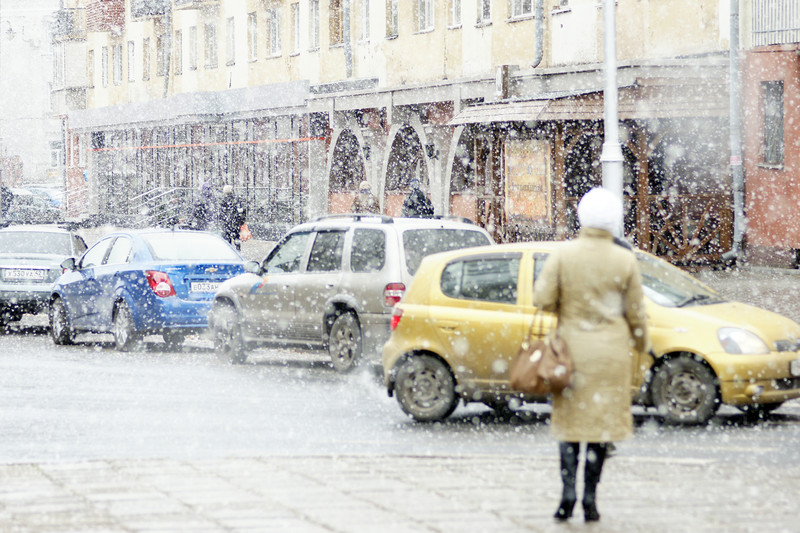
595,288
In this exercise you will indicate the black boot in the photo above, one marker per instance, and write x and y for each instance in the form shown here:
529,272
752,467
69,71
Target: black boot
595,456
569,467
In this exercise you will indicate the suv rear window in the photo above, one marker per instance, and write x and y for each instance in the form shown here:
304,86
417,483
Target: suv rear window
419,243
369,250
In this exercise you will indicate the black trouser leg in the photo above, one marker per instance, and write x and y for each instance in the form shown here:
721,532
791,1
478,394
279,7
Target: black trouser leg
569,467
595,457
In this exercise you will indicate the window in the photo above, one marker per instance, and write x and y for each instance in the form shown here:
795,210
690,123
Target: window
131,62
313,24
773,122
274,18
424,15
418,244
369,250
193,48
521,8
252,36
178,55
104,66
336,22
230,42
160,56
484,12
455,13
120,251
392,18
211,45
326,254
296,27
117,64
146,59
90,67
488,279
365,20
286,256
95,254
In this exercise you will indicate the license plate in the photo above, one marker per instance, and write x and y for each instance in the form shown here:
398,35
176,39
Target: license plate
24,274
794,367
204,286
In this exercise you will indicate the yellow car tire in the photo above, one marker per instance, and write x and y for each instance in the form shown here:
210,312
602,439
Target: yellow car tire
684,391
425,388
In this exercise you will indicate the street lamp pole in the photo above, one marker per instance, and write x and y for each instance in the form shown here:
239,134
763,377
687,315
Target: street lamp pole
611,157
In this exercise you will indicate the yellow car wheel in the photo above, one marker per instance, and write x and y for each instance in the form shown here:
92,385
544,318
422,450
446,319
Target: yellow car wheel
425,388
685,391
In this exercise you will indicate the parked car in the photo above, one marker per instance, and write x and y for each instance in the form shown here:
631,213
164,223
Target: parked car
27,207
331,284
30,261
141,282
466,313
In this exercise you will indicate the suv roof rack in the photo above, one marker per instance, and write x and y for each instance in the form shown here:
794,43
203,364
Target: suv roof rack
454,218
385,219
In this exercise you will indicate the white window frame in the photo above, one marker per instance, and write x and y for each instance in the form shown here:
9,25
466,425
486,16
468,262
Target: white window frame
365,20
484,12
252,36
90,70
230,41
146,58
295,8
104,66
161,63
454,12
117,60
210,45
178,55
392,18
521,8
424,12
313,24
192,47
131,62
274,25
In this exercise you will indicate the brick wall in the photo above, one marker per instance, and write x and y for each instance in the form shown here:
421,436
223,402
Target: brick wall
105,15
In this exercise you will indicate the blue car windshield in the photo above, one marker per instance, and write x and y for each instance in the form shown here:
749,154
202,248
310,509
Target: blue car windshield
35,242
189,247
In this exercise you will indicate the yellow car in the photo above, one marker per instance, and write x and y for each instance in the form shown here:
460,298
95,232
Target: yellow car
461,322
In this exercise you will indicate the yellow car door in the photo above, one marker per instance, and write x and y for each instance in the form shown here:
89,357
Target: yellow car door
482,319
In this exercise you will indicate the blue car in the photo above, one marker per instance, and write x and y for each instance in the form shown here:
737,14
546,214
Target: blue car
142,282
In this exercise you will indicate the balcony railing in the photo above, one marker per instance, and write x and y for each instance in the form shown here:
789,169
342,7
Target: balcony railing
776,22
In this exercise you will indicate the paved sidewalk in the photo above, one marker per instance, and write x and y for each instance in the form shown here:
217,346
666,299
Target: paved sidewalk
480,494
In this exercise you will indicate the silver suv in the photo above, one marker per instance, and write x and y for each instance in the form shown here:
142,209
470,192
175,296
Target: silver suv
331,284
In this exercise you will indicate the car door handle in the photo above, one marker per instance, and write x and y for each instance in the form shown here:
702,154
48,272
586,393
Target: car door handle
446,325
330,285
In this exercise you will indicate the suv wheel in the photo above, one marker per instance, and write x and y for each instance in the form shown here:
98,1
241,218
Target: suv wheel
344,344
685,391
228,341
59,323
425,388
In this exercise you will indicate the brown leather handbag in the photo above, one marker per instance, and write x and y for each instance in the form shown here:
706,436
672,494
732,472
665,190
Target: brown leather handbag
542,366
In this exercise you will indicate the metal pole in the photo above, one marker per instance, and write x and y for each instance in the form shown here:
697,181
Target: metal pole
737,170
611,157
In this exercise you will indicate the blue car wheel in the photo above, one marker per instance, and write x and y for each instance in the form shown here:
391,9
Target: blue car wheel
126,337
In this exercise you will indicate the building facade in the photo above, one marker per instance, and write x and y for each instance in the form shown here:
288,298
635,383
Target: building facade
496,106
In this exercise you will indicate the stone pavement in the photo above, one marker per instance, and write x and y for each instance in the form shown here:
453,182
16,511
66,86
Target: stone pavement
390,494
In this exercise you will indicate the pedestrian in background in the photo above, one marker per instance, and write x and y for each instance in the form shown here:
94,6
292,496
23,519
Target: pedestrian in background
365,202
417,204
206,210
231,216
595,288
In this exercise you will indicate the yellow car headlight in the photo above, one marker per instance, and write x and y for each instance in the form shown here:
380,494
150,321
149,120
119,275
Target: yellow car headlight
741,341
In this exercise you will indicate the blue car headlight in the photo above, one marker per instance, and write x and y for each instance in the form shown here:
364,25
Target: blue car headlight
741,341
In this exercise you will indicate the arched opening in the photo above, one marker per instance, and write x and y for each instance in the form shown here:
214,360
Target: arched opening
347,171
462,198
406,162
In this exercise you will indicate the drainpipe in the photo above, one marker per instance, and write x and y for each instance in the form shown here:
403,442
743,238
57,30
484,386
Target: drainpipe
611,157
348,49
737,170
539,52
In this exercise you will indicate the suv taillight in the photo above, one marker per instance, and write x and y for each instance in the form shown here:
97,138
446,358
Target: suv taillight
392,293
160,283
397,314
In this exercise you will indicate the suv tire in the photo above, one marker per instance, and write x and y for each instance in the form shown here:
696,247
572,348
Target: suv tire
228,340
344,342
425,388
